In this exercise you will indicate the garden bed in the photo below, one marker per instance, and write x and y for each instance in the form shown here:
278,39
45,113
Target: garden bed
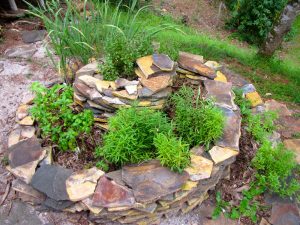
140,193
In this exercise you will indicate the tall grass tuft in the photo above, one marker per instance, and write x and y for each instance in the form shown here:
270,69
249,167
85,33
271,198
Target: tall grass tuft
89,33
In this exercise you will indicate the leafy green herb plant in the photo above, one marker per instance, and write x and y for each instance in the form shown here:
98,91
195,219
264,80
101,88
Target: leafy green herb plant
131,135
197,122
172,152
56,118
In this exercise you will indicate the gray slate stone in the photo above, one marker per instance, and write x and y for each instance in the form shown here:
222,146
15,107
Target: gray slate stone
51,180
33,36
19,214
57,205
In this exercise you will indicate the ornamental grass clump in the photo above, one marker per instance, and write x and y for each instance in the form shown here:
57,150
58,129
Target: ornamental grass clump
198,122
57,121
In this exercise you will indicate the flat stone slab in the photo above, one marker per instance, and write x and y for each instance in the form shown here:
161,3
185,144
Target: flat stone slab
285,214
24,51
163,62
51,180
151,181
232,130
194,64
157,83
281,109
219,154
19,214
24,152
220,92
81,185
294,145
200,168
33,36
254,99
110,194
88,69
32,195
146,66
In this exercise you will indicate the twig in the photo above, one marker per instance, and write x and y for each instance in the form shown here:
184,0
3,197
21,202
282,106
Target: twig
5,193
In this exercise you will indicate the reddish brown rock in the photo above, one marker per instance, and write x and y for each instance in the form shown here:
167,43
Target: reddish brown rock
150,181
288,126
194,64
285,214
281,109
110,194
157,83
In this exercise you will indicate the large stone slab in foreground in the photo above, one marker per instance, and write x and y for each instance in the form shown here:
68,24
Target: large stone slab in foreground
51,180
150,181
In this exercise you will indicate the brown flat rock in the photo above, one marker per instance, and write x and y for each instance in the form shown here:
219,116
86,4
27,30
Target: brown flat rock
88,69
146,66
284,214
213,65
124,94
220,92
288,126
232,130
200,168
157,83
194,64
26,121
110,194
86,91
219,154
24,152
82,184
294,145
22,112
150,181
14,137
281,109
163,62
28,131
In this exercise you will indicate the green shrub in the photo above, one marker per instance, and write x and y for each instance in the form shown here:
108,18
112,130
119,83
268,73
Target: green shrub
243,103
197,122
131,135
254,19
261,126
121,54
274,167
55,117
172,152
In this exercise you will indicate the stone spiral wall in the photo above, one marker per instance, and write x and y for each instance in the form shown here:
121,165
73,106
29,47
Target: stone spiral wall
135,194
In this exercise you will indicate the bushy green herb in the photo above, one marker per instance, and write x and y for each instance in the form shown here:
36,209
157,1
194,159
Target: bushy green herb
172,152
254,19
261,126
55,117
121,54
274,166
221,206
198,122
131,135
102,165
243,103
